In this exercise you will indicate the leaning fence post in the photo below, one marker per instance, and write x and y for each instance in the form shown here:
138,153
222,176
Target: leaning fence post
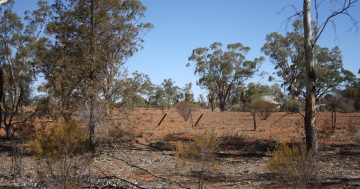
162,119
199,119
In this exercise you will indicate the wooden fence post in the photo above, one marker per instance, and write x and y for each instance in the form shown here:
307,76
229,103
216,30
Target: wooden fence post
162,119
199,119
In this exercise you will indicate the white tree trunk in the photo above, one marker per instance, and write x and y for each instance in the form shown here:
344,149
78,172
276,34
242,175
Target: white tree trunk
310,101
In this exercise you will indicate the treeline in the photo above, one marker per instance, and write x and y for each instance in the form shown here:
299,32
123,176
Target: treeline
79,49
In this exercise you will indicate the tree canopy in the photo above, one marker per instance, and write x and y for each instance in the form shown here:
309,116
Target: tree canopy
221,71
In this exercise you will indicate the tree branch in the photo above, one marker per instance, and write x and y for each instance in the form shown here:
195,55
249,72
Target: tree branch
147,171
343,11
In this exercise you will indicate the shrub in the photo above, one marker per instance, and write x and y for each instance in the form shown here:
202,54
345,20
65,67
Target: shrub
263,107
294,164
292,106
62,139
60,148
118,134
198,154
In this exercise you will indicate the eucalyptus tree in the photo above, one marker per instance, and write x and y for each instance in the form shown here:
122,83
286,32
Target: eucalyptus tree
311,36
88,42
172,93
132,91
352,92
287,53
331,74
187,93
223,71
18,38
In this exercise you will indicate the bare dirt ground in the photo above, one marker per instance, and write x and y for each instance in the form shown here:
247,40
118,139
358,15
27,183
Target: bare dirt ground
147,157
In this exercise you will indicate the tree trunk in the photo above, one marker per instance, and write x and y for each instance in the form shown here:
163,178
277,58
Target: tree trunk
91,125
310,101
212,102
92,91
222,106
333,120
254,119
1,93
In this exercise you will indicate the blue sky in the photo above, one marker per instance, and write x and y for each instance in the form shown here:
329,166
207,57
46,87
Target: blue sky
183,25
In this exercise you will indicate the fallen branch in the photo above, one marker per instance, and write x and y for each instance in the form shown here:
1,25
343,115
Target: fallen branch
147,171
115,177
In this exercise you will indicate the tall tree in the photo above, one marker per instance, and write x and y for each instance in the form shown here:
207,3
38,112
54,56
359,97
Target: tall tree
310,40
187,93
287,53
132,91
17,41
173,94
89,38
222,72
352,92
331,75
310,75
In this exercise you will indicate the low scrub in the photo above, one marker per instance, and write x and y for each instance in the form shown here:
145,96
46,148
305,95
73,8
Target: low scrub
264,108
198,155
294,164
120,135
61,149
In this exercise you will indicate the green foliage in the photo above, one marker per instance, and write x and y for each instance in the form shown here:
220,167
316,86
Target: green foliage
263,107
87,42
337,103
292,105
17,44
131,92
222,72
187,93
331,74
288,55
166,95
352,92
253,90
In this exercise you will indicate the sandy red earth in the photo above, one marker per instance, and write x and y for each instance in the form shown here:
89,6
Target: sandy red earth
280,126
241,161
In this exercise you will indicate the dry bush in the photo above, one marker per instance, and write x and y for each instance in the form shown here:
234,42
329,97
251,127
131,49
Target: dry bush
22,131
184,108
118,134
62,149
294,164
198,155
262,107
